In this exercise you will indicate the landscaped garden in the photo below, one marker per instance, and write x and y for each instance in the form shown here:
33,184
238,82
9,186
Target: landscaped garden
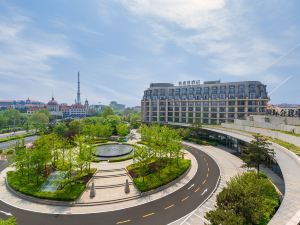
160,161
58,164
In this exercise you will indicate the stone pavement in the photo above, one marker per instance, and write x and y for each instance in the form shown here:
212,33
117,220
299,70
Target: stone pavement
110,186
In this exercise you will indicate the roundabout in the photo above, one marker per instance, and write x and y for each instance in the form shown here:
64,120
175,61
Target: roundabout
163,207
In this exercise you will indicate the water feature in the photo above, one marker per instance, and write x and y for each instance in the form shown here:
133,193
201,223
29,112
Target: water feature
52,182
113,150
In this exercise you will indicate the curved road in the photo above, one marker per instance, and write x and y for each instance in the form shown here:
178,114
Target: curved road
7,144
159,212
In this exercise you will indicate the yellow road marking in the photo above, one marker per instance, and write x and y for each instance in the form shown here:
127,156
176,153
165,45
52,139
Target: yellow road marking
208,169
206,175
207,164
149,214
185,198
205,159
124,221
170,206
197,189
204,182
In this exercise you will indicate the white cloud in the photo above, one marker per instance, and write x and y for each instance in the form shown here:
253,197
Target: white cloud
217,31
186,13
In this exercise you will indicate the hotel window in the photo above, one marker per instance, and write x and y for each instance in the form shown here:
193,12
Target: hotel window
252,88
198,90
191,90
231,89
252,95
223,89
214,90
214,96
206,90
222,96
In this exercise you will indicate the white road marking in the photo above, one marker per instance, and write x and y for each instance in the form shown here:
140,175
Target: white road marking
6,213
204,191
191,186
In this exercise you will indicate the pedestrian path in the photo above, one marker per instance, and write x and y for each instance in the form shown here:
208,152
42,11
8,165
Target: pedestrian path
110,187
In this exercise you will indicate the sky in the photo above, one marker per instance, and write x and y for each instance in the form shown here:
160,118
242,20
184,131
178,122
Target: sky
121,46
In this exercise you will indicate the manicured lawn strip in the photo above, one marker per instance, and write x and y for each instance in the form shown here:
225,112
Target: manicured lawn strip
203,142
20,183
286,132
285,144
167,174
15,137
121,159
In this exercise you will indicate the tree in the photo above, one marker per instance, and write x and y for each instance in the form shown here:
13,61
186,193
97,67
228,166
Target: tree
39,121
257,152
19,157
107,111
247,199
60,129
122,129
103,130
143,156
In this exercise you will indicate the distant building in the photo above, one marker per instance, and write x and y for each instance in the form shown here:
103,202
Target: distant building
212,102
116,106
284,110
21,105
76,110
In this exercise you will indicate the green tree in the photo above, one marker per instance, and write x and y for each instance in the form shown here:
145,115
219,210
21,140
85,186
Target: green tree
39,121
143,156
122,129
247,199
258,152
107,111
13,117
60,129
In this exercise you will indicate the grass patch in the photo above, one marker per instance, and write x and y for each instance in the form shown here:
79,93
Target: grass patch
286,132
121,159
15,137
69,192
285,144
168,172
203,142
100,140
9,221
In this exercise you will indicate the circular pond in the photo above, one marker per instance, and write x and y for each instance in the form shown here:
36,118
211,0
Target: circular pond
113,150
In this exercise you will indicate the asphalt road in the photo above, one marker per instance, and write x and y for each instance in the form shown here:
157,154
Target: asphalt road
158,212
7,144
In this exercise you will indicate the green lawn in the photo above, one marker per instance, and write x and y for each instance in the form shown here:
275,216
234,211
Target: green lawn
286,132
20,183
9,221
285,144
169,172
15,137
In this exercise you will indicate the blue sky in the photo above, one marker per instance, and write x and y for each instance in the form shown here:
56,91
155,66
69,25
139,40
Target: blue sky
121,46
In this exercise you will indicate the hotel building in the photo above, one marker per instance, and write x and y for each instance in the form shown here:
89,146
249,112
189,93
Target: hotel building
212,102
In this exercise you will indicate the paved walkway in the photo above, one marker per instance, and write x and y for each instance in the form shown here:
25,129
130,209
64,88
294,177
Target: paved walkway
230,166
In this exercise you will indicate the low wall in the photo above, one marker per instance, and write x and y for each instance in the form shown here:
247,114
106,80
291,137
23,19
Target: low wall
284,137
